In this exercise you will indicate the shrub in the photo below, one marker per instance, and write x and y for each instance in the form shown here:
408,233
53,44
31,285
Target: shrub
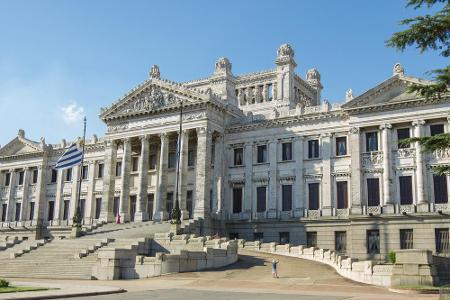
4,283
391,257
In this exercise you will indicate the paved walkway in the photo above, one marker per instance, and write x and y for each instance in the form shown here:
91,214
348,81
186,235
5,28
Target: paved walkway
247,279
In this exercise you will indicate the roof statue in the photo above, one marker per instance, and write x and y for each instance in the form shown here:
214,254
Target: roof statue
154,72
398,70
349,95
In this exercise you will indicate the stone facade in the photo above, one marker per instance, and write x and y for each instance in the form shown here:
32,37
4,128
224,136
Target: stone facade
262,157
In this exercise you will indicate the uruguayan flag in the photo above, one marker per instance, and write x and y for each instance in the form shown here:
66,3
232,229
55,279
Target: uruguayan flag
70,158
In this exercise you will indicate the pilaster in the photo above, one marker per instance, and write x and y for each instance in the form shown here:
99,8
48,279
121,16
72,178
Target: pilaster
182,185
125,181
327,184
387,201
141,202
25,194
273,179
41,189
76,178
90,199
161,195
355,181
299,190
59,195
109,176
422,199
248,187
218,174
11,199
203,169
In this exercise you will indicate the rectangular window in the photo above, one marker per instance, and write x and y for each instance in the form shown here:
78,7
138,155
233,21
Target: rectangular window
152,162
440,189
258,236
342,194
4,211
261,199
237,200
66,209
54,176
270,92
189,203
403,133
311,239
313,149
313,196
238,156
261,154
373,192
51,210
340,241
118,169
373,241
21,176
341,146
100,168
191,158
7,179
31,214
84,172
284,238
134,164
406,196
98,207
406,239
172,160
169,204
371,141
286,151
441,238
18,211
286,196
436,129
35,176
69,174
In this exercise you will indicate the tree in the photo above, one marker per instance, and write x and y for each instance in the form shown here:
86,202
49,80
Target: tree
428,32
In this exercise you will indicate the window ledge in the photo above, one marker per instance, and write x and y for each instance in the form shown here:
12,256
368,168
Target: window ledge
341,156
261,163
313,158
239,166
286,161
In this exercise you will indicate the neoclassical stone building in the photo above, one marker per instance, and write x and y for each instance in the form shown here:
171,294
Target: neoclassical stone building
262,157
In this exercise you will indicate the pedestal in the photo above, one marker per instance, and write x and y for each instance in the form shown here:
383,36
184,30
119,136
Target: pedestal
388,209
423,207
140,217
175,229
327,211
76,232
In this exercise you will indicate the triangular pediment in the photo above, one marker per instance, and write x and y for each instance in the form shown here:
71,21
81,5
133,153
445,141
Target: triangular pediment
153,96
390,91
19,146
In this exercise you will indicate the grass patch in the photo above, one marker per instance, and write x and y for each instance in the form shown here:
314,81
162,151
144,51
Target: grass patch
15,289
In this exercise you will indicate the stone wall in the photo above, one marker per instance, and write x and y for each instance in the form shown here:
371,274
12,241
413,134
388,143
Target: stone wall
413,267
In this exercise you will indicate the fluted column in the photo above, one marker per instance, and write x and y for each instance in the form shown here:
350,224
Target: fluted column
202,177
59,196
273,179
41,190
109,176
182,184
90,201
386,200
161,195
422,199
124,210
264,93
11,200
299,190
218,174
76,170
327,185
355,158
25,194
141,204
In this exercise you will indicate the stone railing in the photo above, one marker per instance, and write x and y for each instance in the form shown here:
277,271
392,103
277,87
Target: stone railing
372,159
412,267
169,254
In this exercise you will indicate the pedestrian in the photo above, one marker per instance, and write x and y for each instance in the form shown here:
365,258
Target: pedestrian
274,267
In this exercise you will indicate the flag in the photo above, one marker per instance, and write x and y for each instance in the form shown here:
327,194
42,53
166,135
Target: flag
70,158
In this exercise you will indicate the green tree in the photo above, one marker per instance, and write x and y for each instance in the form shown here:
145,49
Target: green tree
428,32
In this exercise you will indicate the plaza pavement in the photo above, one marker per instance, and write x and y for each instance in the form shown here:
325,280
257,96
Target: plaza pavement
250,278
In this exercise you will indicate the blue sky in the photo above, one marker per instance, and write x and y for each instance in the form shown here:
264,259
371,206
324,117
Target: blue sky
62,59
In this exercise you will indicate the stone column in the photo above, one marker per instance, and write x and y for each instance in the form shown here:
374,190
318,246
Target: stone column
218,174
182,184
300,192
248,187
273,179
124,210
142,198
203,170
386,200
265,96
355,181
25,194
11,199
59,196
41,190
422,198
109,176
74,195
161,195
327,183
90,201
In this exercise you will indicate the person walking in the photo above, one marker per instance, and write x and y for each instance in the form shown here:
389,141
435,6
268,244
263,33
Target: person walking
274,268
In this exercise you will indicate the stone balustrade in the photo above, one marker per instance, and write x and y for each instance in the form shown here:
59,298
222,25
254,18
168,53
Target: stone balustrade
412,267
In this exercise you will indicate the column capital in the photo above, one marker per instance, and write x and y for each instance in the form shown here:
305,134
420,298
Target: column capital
326,135
126,140
144,137
354,130
418,123
202,130
385,126
164,136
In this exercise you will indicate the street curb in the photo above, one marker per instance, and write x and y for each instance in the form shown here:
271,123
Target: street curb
414,292
73,295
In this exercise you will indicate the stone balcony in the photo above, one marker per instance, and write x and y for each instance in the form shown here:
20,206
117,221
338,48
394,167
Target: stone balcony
440,157
372,160
404,156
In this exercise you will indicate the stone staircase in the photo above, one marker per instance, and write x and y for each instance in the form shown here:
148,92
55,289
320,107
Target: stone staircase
7,242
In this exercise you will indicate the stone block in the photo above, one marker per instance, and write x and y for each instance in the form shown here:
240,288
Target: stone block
414,256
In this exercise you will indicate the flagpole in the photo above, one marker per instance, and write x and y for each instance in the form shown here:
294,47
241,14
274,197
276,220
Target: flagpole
77,218
176,212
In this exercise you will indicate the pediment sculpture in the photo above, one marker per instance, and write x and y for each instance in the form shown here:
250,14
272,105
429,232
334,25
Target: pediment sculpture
152,98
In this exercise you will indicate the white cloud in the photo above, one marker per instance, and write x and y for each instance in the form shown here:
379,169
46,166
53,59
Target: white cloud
72,113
